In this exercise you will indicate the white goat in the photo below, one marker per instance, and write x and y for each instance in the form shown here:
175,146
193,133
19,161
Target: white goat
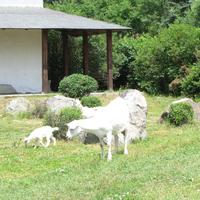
111,120
40,133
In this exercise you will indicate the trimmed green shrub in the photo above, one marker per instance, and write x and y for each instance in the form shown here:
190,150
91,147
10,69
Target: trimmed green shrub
180,113
61,119
91,101
191,84
77,85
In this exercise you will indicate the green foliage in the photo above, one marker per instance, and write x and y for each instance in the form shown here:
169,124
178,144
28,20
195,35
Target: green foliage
55,58
180,113
61,119
91,101
141,15
124,51
175,87
193,15
160,52
191,84
24,115
77,85
159,60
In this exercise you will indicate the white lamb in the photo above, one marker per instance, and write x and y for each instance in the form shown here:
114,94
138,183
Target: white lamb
39,134
111,120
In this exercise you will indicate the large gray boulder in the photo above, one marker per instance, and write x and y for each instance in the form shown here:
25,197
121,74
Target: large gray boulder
137,105
195,106
18,105
90,112
57,103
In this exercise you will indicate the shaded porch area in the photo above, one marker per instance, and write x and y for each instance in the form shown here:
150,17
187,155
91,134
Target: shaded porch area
44,20
84,51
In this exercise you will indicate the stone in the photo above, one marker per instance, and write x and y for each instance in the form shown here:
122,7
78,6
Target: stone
195,106
57,103
137,105
7,89
18,105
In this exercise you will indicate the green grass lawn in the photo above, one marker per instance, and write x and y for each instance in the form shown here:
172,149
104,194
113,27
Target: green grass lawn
164,166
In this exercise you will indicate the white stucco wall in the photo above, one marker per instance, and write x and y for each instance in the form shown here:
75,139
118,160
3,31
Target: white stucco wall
22,3
21,59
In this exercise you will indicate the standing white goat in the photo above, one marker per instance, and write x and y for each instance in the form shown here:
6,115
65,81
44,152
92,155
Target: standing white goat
109,121
40,133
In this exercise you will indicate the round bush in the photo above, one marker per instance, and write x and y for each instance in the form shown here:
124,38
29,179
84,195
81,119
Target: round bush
77,85
91,101
191,84
180,113
59,120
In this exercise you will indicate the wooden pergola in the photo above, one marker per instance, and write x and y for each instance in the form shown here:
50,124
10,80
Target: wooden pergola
70,25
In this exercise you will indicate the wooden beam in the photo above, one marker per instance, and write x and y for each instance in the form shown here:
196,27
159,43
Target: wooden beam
45,82
85,53
65,38
109,59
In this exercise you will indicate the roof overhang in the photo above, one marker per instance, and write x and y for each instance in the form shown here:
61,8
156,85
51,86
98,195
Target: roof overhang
43,18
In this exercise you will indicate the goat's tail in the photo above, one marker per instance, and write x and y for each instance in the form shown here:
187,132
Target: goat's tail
55,129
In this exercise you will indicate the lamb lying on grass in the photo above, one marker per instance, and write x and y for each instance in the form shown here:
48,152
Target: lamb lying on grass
109,121
39,134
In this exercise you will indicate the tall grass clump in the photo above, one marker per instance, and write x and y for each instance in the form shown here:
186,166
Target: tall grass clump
91,101
60,119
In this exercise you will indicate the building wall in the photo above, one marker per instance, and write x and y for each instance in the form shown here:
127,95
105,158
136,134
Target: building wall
21,60
22,3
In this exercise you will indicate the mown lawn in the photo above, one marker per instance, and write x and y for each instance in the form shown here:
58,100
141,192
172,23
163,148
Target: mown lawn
164,166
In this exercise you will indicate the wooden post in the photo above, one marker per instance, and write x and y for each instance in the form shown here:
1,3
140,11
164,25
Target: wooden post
65,38
85,53
109,59
45,82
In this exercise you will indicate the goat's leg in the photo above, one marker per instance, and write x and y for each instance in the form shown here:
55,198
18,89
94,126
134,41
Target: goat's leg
47,143
37,142
53,139
102,149
109,142
126,142
40,141
116,143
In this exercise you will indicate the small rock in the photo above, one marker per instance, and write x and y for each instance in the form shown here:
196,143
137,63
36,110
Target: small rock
195,106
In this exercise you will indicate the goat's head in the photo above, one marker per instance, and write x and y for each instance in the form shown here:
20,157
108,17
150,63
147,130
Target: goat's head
73,129
26,141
